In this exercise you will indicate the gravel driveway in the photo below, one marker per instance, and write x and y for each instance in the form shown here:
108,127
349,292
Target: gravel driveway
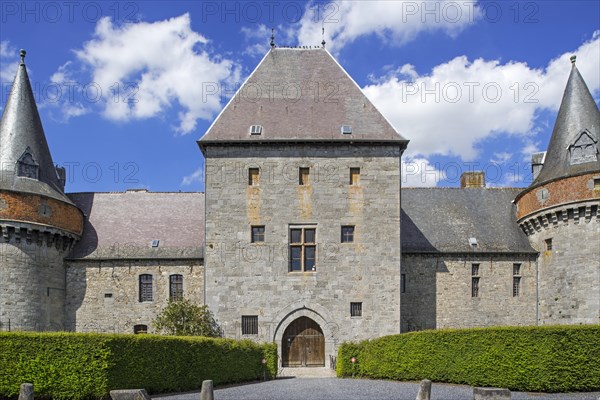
354,389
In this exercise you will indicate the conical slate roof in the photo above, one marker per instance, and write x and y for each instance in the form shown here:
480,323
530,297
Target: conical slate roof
573,148
300,95
22,139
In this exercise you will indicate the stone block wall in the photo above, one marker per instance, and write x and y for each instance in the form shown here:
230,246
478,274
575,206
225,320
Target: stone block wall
438,291
103,296
32,283
244,278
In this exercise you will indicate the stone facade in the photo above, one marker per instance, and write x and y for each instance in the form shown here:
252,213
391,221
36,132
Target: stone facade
245,278
103,295
437,291
32,273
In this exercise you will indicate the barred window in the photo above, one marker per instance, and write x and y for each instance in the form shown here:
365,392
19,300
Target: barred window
516,280
249,324
348,234
356,309
176,287
145,287
258,234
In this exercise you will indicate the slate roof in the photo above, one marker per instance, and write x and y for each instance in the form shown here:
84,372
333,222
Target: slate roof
441,220
300,95
123,225
578,112
21,128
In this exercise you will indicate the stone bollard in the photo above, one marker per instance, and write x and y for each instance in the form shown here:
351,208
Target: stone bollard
207,392
491,394
129,394
26,392
424,390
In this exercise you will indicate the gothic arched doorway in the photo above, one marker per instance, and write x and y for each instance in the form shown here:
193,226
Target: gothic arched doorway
303,344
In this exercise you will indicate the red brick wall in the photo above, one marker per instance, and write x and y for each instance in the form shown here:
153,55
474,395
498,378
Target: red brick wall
561,191
25,207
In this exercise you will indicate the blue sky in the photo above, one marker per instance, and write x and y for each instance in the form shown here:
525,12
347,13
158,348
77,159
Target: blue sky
126,88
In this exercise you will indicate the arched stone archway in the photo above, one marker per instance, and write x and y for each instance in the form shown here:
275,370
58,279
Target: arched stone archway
303,344
319,315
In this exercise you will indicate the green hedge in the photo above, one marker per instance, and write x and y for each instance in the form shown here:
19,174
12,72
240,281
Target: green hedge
78,366
544,359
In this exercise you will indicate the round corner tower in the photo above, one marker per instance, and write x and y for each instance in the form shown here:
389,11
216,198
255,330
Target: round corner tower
38,223
559,212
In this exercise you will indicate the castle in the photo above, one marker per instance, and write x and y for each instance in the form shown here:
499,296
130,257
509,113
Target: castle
304,236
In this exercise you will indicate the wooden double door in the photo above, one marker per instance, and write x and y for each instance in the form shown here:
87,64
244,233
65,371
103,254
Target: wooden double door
303,344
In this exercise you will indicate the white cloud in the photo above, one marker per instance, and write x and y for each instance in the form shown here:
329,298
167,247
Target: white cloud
419,172
9,62
70,105
395,22
196,176
462,102
150,67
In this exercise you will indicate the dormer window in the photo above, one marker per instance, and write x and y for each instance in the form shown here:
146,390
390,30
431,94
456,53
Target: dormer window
584,149
256,130
27,166
346,130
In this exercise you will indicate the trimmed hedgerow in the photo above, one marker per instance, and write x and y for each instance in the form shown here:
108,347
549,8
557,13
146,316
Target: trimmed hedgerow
80,366
544,359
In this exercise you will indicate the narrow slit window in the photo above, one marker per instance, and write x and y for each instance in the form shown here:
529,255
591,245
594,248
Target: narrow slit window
402,283
249,324
516,289
303,178
474,280
354,176
253,176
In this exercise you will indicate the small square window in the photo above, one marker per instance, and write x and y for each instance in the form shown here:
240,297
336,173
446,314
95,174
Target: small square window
356,309
354,176
348,234
155,243
253,176
258,234
249,324
548,244
108,295
346,130
303,177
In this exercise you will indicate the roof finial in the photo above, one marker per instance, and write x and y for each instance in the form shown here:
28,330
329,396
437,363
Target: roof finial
573,59
272,37
23,53
323,34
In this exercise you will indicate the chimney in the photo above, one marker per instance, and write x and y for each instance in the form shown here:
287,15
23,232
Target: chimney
537,162
475,179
